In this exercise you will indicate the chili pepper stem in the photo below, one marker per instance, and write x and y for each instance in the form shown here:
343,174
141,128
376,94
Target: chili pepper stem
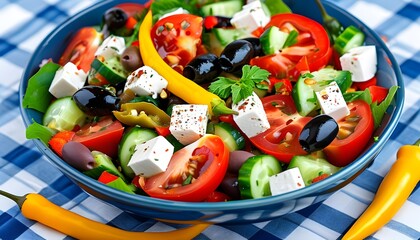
18,199
324,13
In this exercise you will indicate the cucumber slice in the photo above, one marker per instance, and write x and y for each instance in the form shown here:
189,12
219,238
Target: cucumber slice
111,70
351,37
272,40
311,167
230,136
254,174
224,9
134,136
63,115
303,92
228,35
103,163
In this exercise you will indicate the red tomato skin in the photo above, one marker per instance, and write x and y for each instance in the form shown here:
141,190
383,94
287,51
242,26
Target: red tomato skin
203,186
176,44
342,152
81,49
361,86
281,122
105,141
378,93
282,65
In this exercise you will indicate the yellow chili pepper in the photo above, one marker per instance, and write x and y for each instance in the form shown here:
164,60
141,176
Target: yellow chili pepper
38,208
143,114
392,193
179,85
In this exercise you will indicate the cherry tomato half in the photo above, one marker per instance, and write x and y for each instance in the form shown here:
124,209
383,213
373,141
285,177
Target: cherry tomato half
355,131
177,38
81,49
313,43
194,172
103,136
282,139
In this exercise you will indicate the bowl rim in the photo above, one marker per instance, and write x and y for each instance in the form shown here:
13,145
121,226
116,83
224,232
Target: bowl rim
150,202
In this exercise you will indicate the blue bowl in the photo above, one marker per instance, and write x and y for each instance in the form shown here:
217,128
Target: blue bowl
243,211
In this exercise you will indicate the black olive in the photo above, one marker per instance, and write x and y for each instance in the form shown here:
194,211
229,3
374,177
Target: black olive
256,44
96,101
78,156
203,68
235,55
229,186
318,133
131,59
114,18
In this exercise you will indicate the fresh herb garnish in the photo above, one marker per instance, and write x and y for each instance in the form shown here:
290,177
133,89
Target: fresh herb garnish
242,88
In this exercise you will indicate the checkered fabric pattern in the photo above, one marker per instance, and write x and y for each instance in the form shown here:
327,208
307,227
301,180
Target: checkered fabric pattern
24,23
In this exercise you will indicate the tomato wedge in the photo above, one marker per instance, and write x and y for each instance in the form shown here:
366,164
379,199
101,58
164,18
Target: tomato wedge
81,49
103,136
355,132
312,44
194,172
177,38
282,139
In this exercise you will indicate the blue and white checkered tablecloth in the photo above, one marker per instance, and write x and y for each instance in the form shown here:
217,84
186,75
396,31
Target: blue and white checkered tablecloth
23,25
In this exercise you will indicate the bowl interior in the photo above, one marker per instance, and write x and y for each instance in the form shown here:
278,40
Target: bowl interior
53,45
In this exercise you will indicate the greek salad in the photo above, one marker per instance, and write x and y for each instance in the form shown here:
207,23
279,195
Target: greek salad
208,100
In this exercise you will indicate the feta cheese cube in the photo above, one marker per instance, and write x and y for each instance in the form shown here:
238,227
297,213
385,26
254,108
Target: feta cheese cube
111,47
67,80
146,81
175,12
361,62
251,17
188,122
151,157
286,181
251,118
332,101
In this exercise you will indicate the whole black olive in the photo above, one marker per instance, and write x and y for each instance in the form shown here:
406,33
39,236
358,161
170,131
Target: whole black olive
235,55
256,44
203,68
96,101
229,186
131,59
114,18
78,156
318,133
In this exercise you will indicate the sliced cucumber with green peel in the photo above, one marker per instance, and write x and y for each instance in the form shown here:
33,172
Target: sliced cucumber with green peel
351,37
253,179
130,139
303,92
272,40
111,70
63,115
311,167
224,9
230,136
102,163
228,35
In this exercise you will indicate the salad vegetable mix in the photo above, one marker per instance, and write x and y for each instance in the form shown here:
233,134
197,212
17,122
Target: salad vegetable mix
209,100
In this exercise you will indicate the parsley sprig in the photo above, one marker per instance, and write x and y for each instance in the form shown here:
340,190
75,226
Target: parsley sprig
240,89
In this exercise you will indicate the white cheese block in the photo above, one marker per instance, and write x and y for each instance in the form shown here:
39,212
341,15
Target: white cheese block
175,12
112,46
286,181
332,101
145,81
251,17
361,62
67,80
188,122
251,118
151,157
